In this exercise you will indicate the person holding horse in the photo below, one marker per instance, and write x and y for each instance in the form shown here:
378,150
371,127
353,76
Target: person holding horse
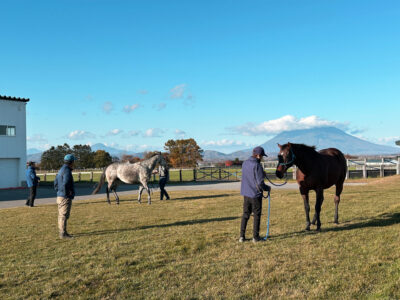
252,187
164,177
64,185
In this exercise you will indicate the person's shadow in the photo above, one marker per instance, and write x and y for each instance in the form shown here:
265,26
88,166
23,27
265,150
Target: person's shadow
179,223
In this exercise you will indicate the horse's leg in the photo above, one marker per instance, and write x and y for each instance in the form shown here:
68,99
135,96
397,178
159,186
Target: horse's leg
108,194
148,193
304,194
140,194
115,194
339,189
318,204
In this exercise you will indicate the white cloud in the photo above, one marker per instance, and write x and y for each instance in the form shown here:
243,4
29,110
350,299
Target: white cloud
177,91
114,132
160,106
153,132
107,107
390,140
179,133
284,123
134,132
36,138
223,143
131,133
130,108
80,135
113,145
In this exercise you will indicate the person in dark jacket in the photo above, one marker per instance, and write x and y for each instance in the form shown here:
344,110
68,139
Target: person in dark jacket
64,185
164,177
32,181
252,187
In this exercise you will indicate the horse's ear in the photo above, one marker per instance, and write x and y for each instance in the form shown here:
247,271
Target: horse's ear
279,145
289,145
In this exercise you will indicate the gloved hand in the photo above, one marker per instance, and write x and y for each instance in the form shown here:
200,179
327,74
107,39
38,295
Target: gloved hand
268,188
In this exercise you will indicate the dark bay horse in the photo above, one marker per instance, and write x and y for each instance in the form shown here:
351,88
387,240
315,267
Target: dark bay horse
315,171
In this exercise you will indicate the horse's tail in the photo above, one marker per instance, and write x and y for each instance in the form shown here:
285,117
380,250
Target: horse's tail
343,161
101,182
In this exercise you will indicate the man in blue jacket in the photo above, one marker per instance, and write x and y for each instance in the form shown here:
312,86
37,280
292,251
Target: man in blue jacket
64,185
252,187
32,181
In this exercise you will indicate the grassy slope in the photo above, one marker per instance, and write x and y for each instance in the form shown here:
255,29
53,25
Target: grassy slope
187,248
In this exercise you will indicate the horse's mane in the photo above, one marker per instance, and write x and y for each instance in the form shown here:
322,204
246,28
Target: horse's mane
306,147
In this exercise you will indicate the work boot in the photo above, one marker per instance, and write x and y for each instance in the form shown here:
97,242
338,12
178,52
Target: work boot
65,235
258,239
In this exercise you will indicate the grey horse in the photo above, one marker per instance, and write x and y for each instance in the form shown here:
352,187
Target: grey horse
130,173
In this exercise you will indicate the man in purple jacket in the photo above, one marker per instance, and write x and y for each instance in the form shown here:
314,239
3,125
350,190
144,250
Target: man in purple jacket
251,189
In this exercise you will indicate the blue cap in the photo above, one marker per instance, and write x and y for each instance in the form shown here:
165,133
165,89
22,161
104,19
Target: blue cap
69,158
259,151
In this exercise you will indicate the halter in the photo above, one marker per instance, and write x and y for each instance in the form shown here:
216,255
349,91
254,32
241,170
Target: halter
290,162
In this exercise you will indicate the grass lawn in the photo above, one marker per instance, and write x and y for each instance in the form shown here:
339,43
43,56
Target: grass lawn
187,248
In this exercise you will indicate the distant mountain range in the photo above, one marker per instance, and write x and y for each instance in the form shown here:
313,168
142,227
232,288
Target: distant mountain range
322,137
114,151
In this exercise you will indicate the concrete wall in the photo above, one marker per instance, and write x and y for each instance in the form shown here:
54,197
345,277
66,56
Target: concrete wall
14,147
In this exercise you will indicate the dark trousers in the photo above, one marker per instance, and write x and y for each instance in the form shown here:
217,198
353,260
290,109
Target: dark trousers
32,195
251,205
163,192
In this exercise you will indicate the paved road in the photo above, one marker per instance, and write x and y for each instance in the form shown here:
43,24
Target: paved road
46,194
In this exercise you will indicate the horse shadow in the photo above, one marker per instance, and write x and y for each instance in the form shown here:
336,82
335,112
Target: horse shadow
201,197
178,223
382,220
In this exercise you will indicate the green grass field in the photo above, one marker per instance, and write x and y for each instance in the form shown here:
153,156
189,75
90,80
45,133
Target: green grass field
187,248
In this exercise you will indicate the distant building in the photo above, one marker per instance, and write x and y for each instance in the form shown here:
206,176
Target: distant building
12,141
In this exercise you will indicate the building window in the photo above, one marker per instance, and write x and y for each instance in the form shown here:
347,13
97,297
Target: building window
7,130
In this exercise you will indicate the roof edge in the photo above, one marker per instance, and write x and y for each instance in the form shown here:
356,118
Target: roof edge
3,97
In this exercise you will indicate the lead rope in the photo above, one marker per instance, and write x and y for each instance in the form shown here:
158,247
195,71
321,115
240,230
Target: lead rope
269,213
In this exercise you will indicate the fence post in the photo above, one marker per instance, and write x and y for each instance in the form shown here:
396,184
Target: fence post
194,175
365,168
294,172
79,176
347,172
398,166
44,177
91,176
180,175
219,173
154,177
382,170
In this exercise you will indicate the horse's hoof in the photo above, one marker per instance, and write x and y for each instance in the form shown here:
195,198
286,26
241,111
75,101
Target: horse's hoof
117,203
336,222
149,203
313,222
307,228
318,229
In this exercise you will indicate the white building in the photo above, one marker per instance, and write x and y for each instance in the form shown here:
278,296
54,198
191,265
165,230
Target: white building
12,141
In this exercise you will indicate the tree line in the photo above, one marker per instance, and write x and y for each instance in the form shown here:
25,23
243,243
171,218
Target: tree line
179,153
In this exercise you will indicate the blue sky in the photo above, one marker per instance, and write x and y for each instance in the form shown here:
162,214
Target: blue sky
230,74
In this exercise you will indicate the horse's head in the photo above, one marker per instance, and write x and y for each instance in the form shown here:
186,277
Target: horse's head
161,160
285,159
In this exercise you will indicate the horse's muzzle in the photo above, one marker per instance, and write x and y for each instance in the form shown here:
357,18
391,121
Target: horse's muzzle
279,172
